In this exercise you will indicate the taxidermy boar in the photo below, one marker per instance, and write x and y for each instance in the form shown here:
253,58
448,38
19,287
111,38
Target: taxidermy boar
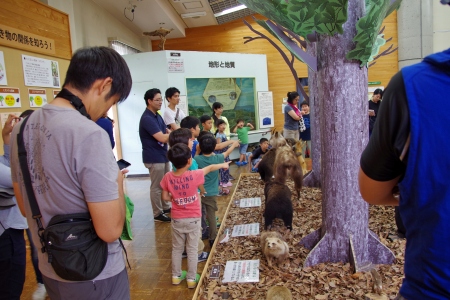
274,248
286,163
265,167
278,204
279,293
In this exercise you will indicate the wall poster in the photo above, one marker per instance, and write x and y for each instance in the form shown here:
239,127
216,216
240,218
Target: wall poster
237,96
265,110
9,97
40,72
3,80
37,97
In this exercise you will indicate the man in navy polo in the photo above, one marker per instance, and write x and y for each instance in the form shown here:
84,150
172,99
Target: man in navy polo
154,136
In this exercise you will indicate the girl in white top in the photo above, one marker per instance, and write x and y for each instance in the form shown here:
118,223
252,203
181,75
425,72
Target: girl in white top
173,115
218,110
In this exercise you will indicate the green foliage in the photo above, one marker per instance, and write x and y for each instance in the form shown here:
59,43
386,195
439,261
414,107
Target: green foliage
303,16
376,47
367,40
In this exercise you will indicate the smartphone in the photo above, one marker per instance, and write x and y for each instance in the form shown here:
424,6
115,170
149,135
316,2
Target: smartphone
123,164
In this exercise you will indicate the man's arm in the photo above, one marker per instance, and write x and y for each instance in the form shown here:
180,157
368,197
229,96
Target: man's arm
162,137
108,217
377,192
228,152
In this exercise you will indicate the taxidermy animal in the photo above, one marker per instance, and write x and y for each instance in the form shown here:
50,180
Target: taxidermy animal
277,140
265,167
161,32
274,248
287,163
279,293
298,150
278,204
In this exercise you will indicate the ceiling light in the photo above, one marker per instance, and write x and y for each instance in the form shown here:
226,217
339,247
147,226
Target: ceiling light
230,10
194,14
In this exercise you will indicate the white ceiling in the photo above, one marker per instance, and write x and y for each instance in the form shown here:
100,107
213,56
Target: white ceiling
150,15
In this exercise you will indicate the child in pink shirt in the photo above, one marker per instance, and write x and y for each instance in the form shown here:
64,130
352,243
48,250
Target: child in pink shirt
181,188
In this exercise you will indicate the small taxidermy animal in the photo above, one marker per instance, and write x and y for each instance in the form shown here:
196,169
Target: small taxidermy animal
298,150
287,163
274,248
279,293
277,140
278,204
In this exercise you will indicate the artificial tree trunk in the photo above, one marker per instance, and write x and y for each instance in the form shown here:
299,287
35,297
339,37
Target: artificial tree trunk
342,95
312,179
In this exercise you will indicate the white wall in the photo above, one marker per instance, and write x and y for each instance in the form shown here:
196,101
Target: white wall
150,70
91,25
441,27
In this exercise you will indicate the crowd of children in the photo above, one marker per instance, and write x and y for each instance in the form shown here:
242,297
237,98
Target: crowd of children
200,173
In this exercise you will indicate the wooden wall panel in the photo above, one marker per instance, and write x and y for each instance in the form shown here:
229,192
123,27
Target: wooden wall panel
229,38
37,18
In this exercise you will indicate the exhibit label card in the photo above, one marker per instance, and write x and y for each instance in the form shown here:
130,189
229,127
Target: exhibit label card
40,72
245,230
241,271
37,98
9,97
3,80
175,65
250,202
265,109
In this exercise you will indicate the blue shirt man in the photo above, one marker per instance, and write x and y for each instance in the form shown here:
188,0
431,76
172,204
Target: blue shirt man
154,136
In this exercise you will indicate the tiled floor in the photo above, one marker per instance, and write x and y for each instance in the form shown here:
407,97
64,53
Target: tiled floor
150,250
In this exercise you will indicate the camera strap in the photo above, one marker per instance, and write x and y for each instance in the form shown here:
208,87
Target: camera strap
75,101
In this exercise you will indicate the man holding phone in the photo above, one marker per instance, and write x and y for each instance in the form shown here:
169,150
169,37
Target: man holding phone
154,136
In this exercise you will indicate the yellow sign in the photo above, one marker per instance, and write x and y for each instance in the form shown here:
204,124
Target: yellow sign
15,38
9,100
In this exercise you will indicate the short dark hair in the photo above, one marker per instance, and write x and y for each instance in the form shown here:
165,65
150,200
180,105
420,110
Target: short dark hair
378,92
180,135
170,92
219,122
179,155
204,118
90,64
150,94
207,143
189,122
215,105
202,133
291,96
262,140
239,121
304,103
26,113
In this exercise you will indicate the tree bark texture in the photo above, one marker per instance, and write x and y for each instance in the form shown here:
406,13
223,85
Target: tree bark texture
342,96
313,178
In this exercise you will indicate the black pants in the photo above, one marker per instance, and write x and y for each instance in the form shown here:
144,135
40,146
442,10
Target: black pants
12,264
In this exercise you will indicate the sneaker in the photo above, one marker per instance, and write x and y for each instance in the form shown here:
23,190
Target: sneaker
244,163
238,163
167,211
178,279
227,184
192,283
184,254
40,293
224,192
203,256
162,218
254,170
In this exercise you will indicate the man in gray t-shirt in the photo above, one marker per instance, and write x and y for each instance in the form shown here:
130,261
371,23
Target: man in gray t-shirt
74,170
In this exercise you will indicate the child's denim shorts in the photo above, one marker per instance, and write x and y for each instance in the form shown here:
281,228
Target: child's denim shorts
243,148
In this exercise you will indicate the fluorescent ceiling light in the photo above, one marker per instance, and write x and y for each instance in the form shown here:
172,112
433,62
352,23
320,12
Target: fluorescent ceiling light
194,14
230,10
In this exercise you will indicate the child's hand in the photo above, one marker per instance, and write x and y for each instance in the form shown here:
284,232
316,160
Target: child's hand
249,124
226,165
203,193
